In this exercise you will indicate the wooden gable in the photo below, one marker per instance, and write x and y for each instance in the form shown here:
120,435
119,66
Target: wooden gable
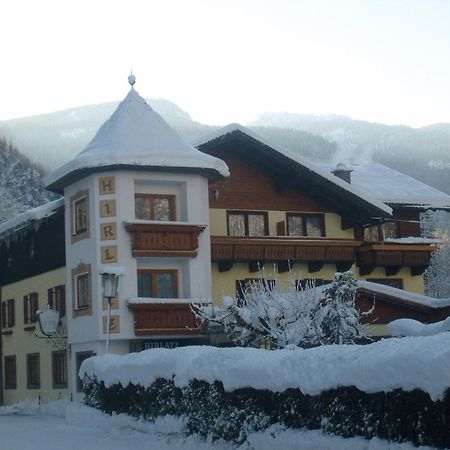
251,187
269,176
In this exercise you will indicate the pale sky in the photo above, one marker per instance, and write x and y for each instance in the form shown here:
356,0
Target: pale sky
227,61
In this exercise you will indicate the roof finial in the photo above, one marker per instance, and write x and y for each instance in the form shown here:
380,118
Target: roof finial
131,79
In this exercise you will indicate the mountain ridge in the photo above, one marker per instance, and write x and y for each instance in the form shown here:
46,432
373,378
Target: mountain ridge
423,153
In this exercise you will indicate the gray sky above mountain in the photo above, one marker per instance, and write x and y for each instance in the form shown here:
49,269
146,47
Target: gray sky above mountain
227,61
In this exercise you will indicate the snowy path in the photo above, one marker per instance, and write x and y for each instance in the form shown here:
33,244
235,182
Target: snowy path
77,427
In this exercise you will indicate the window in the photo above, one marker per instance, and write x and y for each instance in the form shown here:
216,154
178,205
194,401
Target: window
82,290
79,358
33,371
378,233
8,313
308,283
247,223
30,308
390,230
157,283
393,282
248,285
57,299
311,225
10,372
80,215
59,369
155,207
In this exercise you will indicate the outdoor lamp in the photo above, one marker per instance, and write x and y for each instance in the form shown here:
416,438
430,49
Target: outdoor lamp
110,282
48,321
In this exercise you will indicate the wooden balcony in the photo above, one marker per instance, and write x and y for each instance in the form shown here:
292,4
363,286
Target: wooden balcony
316,252
164,239
164,319
393,257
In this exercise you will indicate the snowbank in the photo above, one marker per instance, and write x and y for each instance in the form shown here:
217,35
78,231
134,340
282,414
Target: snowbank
411,327
407,363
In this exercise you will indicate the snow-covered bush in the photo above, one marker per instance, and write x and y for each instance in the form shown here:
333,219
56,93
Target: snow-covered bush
336,319
302,316
436,224
228,393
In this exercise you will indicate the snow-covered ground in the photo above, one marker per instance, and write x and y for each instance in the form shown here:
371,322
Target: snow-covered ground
71,426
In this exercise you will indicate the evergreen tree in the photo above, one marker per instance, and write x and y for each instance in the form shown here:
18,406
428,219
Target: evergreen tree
336,320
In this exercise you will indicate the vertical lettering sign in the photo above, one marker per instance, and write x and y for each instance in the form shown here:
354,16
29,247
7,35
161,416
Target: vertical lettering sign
114,324
107,208
109,254
107,185
108,231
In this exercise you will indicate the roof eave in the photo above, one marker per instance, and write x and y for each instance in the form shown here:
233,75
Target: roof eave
372,209
58,185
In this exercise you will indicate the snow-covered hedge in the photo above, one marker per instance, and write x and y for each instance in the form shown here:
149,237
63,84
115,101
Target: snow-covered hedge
395,389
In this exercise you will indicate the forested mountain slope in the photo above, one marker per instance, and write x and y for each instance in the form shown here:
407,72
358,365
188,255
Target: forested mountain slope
21,185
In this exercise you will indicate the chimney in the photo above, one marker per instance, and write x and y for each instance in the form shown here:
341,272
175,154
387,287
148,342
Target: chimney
343,172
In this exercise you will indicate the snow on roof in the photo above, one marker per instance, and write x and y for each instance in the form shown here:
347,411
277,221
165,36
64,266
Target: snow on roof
411,327
135,135
294,156
392,187
408,297
32,216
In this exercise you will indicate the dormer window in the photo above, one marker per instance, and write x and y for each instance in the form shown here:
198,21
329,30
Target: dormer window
378,233
159,207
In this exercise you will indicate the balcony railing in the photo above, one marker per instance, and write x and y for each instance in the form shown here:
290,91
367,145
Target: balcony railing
150,238
316,252
393,257
163,319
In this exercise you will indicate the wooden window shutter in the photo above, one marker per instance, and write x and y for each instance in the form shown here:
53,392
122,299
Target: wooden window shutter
60,299
3,314
50,298
26,309
34,306
11,312
281,228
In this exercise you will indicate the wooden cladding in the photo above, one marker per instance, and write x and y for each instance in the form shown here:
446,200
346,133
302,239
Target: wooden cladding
389,308
394,258
316,252
163,319
152,239
282,249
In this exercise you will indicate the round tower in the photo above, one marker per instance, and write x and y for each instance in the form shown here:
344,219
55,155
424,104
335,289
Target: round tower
136,201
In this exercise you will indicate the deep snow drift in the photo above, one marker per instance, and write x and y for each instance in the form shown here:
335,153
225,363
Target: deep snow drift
407,363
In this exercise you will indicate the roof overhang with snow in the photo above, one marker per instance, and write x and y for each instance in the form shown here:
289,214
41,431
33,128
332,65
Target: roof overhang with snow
136,137
294,170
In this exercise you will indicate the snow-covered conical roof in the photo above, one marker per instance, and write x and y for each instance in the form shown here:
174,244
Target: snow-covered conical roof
135,136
